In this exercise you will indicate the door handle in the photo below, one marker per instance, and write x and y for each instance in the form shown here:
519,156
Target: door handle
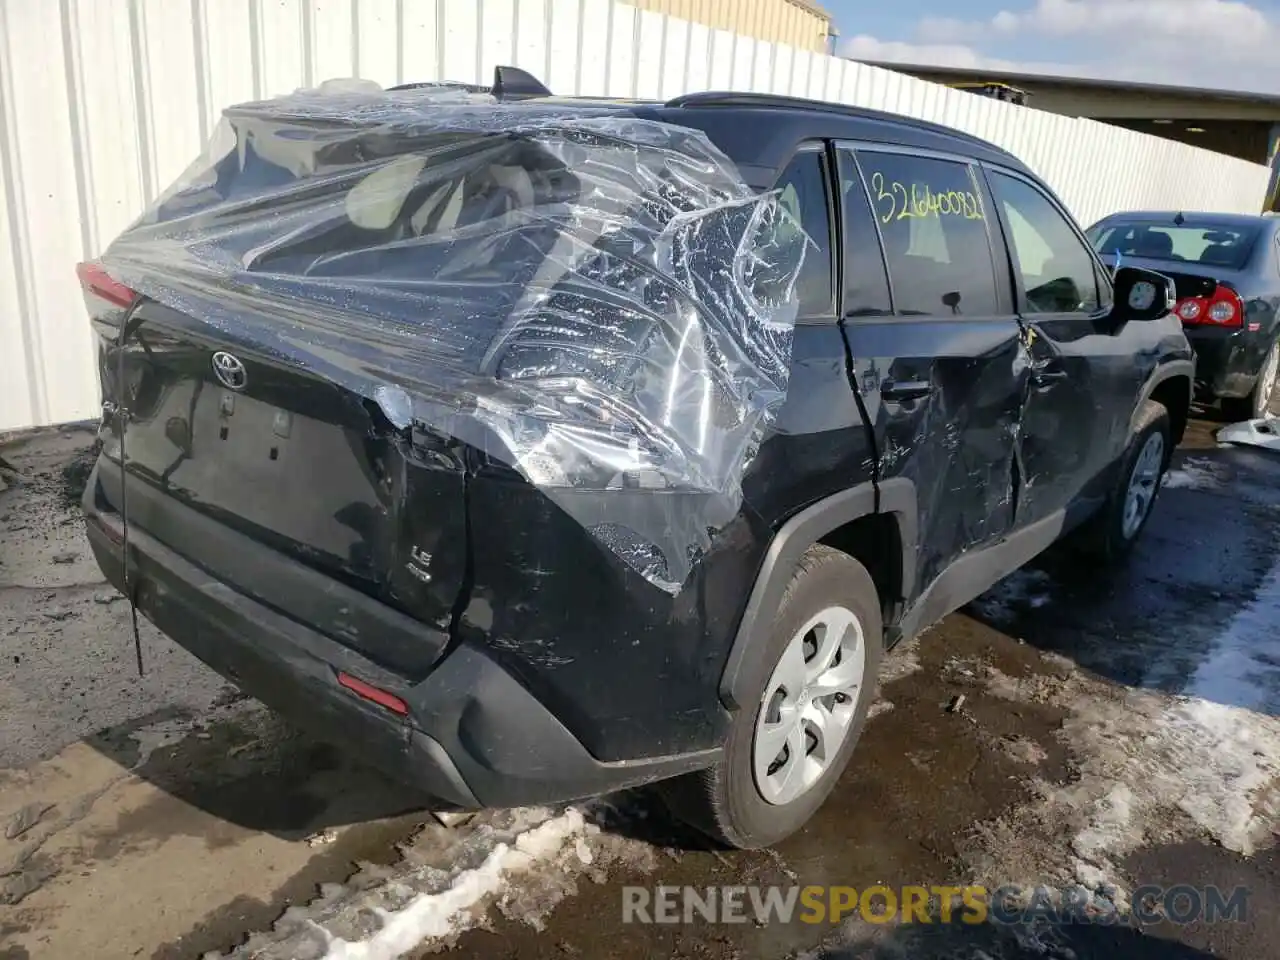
897,391
1044,378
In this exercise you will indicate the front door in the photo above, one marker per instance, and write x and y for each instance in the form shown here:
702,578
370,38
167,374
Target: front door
936,349
1086,373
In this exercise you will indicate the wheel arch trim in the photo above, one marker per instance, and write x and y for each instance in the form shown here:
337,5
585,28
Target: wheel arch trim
794,537
1165,372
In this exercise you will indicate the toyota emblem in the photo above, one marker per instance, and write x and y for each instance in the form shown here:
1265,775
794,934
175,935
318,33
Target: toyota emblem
229,370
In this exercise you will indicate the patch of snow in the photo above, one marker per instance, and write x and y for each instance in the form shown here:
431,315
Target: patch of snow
1107,829
431,916
878,707
518,864
1194,474
1225,762
902,661
1151,768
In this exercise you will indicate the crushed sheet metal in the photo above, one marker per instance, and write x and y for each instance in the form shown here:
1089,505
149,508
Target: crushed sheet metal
597,301
1264,433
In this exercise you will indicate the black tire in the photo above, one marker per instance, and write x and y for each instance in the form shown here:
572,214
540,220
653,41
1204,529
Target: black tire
1264,397
1104,536
724,802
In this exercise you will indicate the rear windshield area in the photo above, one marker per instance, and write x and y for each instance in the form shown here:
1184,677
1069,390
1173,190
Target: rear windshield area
1206,244
436,187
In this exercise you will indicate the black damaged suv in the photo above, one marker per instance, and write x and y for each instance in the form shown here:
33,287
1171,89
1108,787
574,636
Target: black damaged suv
968,384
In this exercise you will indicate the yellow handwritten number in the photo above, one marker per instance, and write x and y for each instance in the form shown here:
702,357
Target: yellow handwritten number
900,191
877,184
920,204
922,201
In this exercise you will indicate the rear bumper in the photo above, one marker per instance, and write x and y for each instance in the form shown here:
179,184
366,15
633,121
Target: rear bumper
474,736
1227,361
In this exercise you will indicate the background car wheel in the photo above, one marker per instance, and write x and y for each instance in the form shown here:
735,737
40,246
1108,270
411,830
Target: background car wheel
814,684
1113,531
1265,397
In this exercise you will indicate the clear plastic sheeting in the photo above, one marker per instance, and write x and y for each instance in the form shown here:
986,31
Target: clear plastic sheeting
592,298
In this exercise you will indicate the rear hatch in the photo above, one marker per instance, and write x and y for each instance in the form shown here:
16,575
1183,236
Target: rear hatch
301,467
356,302
292,458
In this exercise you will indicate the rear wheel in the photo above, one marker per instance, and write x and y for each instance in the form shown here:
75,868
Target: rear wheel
1113,531
786,750
1259,403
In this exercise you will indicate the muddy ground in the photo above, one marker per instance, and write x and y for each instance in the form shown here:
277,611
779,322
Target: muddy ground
1115,728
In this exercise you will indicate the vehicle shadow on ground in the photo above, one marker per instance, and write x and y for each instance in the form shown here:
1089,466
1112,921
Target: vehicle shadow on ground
955,940
250,768
1193,609
641,814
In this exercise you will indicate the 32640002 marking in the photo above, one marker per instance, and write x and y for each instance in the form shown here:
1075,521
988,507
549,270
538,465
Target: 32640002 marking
922,201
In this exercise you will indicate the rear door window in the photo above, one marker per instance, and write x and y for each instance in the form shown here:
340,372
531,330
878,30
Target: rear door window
802,191
933,225
866,285
1058,272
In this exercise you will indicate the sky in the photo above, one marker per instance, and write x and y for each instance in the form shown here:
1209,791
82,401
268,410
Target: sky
1230,44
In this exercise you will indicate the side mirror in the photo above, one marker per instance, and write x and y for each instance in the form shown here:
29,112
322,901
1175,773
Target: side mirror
1142,294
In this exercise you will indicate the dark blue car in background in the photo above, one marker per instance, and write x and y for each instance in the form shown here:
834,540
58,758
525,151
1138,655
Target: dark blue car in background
1226,273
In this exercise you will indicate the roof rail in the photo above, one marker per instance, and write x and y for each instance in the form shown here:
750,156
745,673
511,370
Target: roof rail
729,98
509,83
716,98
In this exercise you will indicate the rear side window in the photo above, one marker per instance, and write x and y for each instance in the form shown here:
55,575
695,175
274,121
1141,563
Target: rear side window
802,190
934,228
866,285
1058,273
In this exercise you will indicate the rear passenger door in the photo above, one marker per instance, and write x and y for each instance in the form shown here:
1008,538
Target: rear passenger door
1086,374
819,425
935,346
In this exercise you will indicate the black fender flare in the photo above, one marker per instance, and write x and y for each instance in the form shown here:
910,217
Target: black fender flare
794,537
1165,371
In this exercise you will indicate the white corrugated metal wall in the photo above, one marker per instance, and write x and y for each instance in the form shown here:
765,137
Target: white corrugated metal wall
104,102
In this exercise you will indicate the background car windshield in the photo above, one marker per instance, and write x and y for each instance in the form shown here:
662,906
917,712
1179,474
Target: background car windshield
1207,244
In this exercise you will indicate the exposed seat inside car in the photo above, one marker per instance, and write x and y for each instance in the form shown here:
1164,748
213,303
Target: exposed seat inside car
1220,255
1155,244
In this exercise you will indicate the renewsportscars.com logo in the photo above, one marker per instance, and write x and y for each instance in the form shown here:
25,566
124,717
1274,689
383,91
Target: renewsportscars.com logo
1009,904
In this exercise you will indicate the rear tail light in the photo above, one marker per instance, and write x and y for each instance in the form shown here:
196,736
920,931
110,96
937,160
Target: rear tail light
98,283
1190,309
1222,312
1223,308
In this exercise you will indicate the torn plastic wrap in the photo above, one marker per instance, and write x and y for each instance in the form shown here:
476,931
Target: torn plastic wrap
595,300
